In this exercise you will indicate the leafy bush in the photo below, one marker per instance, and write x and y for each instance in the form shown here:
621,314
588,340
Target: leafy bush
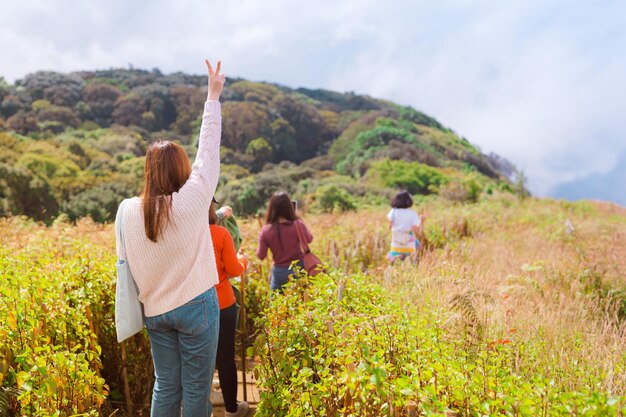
402,341
119,140
250,195
57,118
23,193
261,151
243,122
100,202
48,314
309,126
367,143
48,166
338,345
253,91
462,190
331,197
408,113
23,123
413,176
57,326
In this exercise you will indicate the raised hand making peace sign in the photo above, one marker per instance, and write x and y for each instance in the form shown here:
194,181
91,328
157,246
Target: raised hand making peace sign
216,80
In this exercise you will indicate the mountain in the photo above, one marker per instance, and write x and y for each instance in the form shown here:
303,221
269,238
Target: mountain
610,186
73,144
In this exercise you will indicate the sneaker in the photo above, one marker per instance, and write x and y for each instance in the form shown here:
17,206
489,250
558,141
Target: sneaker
242,410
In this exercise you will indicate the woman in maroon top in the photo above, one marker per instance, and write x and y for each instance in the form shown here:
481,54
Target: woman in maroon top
280,235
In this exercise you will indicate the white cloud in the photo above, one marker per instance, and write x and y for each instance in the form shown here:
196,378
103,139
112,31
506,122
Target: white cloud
539,82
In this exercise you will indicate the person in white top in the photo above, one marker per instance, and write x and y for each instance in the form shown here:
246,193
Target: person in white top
171,258
405,225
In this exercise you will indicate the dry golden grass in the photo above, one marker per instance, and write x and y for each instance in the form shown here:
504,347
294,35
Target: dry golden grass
547,273
546,276
551,274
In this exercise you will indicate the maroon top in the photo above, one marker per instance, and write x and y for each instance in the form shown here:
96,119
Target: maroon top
282,240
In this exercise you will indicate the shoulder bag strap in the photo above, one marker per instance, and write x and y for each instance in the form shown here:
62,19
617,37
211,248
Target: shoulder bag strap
118,230
304,247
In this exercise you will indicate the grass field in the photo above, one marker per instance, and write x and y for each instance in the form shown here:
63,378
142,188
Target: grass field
515,308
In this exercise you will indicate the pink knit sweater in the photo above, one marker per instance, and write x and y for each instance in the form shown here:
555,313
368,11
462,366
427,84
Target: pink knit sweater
181,264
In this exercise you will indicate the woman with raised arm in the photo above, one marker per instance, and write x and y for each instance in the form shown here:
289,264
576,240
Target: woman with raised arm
169,251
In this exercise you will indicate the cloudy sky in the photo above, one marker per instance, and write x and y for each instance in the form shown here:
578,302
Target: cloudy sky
541,82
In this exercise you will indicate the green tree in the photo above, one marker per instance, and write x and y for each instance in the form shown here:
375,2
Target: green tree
12,104
243,122
520,186
57,118
283,140
253,91
329,197
188,101
128,110
413,176
48,166
101,98
261,151
60,89
310,127
23,193
23,123
100,202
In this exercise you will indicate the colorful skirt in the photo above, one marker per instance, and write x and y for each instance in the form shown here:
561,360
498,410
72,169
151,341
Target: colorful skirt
402,253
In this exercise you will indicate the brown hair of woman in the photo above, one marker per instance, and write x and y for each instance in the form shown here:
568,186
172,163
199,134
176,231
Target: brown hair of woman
166,170
280,206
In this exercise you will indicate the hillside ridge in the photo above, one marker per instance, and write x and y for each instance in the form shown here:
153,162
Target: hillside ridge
73,143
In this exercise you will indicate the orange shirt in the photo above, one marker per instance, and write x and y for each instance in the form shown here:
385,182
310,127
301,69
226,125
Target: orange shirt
228,265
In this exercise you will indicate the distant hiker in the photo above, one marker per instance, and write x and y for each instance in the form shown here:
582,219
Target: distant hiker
405,225
229,264
171,257
281,237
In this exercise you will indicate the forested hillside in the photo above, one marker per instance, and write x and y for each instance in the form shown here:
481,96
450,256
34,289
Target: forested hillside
73,144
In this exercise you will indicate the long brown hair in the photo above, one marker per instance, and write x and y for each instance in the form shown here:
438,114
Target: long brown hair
280,206
166,169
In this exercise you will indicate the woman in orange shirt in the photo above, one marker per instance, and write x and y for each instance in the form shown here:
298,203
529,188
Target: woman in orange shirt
229,264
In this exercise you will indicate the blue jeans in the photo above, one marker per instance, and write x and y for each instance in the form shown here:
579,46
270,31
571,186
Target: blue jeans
280,276
184,344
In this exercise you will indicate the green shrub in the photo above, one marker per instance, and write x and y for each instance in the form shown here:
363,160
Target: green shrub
261,151
47,309
21,192
413,176
250,195
331,197
334,345
100,202
463,190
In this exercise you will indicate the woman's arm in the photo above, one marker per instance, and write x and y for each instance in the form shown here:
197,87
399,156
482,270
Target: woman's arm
206,167
223,212
261,251
233,264
418,229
